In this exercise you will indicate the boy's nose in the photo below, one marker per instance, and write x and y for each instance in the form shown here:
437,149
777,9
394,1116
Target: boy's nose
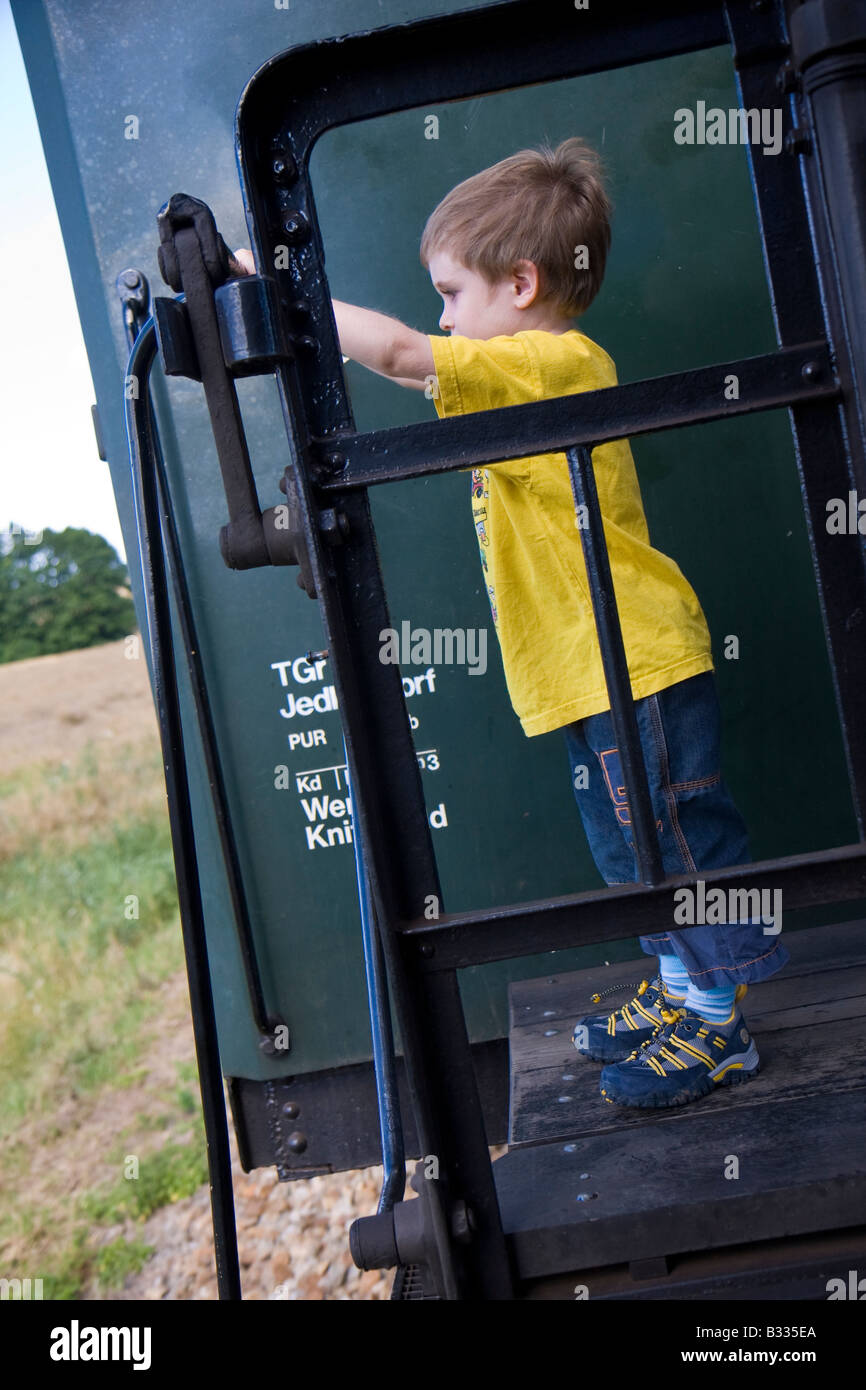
444,322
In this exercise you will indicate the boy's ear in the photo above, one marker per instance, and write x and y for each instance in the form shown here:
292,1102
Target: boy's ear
526,280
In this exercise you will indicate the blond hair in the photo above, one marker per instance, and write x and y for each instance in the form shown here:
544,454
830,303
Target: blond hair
539,205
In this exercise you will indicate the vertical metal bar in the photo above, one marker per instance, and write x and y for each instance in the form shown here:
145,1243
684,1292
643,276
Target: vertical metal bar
384,1067
829,46
615,665
261,1016
809,301
139,422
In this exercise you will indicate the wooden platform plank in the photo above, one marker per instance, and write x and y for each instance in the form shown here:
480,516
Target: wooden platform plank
809,1023
780,992
795,1002
554,996
801,1169
563,1101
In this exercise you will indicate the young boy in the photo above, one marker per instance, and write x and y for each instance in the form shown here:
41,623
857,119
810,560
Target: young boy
517,252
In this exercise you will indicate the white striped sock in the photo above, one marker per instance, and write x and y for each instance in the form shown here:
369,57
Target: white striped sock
714,1005
674,974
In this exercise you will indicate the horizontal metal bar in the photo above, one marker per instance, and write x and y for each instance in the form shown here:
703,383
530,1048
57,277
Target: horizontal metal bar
352,77
614,914
769,382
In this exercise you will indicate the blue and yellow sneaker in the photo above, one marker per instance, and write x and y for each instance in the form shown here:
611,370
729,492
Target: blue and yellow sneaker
686,1059
611,1037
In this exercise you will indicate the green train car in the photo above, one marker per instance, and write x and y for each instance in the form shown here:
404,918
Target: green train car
391,915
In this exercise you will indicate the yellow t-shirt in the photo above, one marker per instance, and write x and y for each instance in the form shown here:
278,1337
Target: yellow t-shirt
530,544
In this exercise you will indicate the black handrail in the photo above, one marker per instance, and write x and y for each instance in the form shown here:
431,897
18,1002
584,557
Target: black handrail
378,1003
265,1021
140,434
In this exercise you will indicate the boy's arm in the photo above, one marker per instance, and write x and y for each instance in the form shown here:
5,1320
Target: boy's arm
383,344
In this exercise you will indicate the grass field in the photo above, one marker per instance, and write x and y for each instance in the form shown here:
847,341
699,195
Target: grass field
99,1111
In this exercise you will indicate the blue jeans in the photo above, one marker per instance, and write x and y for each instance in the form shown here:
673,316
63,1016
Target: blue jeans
699,826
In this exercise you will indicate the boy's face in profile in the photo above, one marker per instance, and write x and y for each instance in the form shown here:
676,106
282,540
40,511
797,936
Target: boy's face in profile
474,308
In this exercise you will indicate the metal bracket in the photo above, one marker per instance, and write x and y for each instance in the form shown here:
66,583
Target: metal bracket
412,1233
228,328
134,294
250,327
283,530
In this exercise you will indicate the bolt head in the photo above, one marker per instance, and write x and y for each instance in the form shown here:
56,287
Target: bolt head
462,1223
810,371
797,141
284,168
297,1142
291,1110
296,226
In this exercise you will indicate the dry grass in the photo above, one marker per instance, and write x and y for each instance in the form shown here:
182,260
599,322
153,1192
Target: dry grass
67,804
90,943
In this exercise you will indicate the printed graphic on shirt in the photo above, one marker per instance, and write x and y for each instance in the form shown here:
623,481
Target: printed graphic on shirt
492,596
481,494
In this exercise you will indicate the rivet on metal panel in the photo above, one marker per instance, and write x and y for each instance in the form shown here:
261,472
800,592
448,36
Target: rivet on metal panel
462,1223
787,78
334,526
296,226
284,169
798,141
297,1142
306,343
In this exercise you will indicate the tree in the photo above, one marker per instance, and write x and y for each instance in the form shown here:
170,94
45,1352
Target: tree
62,592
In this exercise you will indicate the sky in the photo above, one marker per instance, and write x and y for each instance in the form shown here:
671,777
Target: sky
50,472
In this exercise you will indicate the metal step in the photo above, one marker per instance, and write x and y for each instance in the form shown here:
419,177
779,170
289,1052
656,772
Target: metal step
587,1185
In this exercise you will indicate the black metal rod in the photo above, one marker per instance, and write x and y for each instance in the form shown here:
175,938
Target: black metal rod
158,612
808,297
218,385
459,940
615,665
264,1021
793,376
829,47
384,1064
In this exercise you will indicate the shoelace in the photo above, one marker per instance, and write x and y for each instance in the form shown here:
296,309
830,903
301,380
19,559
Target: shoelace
673,1016
670,1017
640,988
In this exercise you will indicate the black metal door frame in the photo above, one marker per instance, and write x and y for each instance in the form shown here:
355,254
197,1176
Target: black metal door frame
285,108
